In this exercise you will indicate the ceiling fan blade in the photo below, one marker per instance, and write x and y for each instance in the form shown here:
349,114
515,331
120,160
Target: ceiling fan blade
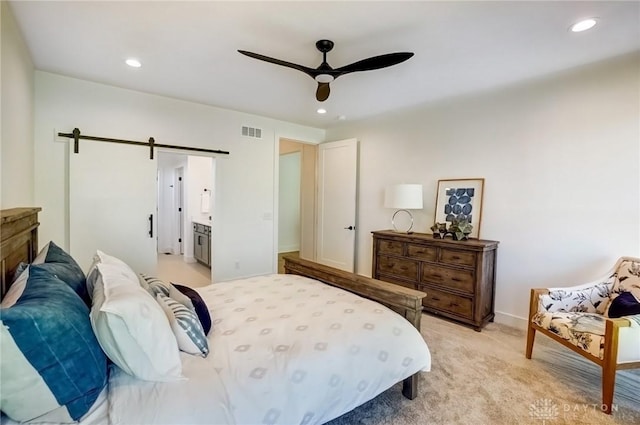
322,93
309,71
375,62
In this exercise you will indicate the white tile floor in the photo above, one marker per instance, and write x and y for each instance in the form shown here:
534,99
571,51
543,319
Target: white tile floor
173,268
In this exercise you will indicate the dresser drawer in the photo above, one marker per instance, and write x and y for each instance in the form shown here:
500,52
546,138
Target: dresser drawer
392,279
450,303
390,247
462,280
459,258
422,252
398,267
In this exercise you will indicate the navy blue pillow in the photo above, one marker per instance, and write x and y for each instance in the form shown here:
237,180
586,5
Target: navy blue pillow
624,304
198,303
55,260
52,363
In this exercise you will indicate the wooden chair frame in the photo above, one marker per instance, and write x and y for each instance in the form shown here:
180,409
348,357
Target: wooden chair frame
609,362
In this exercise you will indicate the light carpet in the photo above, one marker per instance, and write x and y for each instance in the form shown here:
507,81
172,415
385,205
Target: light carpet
484,378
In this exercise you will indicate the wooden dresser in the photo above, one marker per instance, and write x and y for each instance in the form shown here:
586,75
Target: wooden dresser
458,276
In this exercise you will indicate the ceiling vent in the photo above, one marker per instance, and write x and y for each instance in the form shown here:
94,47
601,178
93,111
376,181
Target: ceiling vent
256,133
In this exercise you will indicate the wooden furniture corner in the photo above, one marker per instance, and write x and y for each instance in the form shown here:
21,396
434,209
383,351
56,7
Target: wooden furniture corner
18,242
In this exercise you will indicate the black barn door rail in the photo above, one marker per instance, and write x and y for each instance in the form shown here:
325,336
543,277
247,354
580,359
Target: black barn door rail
151,144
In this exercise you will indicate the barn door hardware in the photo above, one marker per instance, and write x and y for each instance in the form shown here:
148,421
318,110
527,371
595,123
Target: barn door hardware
76,136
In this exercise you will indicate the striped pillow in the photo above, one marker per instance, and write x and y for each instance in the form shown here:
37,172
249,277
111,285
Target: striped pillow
155,286
185,326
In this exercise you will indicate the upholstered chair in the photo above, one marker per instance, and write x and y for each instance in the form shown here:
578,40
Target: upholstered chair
599,320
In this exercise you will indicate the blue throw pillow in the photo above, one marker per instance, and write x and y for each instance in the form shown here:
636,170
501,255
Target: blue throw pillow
624,304
198,303
55,260
52,367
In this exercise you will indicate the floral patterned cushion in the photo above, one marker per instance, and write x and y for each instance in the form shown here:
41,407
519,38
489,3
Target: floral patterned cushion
628,279
584,330
595,299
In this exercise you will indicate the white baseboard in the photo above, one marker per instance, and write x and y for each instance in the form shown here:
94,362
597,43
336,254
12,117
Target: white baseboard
189,259
511,320
288,248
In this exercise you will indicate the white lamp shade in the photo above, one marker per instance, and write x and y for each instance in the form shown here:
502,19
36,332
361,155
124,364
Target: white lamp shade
403,196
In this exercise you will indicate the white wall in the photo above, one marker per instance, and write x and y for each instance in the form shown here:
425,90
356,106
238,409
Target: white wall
17,111
244,227
560,158
289,202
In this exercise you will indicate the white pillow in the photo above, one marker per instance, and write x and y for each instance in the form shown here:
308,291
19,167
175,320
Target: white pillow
102,258
132,328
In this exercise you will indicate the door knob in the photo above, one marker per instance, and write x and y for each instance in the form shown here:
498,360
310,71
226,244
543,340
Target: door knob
349,228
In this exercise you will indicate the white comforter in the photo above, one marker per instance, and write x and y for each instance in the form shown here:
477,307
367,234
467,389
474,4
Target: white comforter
284,350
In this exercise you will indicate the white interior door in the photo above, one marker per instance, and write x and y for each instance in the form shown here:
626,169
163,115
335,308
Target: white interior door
337,203
112,204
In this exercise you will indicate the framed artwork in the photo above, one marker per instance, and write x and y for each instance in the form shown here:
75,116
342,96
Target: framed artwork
460,199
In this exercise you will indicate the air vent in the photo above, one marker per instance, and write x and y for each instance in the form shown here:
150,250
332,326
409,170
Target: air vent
256,133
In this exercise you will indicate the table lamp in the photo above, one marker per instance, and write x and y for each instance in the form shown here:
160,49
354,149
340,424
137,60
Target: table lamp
403,197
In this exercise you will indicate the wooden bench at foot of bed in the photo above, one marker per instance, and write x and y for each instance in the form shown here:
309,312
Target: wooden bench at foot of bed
406,302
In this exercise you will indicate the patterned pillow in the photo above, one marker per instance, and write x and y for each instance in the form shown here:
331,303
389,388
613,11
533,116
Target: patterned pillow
185,326
156,286
199,305
64,267
52,367
628,279
594,299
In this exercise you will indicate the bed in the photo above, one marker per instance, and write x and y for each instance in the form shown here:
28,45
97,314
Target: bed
304,347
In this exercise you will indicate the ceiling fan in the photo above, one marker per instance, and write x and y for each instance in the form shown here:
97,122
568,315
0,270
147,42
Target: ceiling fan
324,74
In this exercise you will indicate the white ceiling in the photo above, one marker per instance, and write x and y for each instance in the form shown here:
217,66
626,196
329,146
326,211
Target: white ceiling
189,49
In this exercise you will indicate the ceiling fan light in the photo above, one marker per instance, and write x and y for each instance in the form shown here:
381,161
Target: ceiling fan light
324,78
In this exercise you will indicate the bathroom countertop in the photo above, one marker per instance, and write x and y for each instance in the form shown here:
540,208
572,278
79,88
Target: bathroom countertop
205,222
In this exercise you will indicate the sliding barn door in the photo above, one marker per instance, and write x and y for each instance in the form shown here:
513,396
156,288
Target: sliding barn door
112,204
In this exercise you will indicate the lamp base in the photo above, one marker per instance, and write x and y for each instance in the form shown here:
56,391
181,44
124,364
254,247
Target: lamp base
393,223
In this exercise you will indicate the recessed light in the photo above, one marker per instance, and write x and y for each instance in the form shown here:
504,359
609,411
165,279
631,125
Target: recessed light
321,111
134,63
342,117
583,25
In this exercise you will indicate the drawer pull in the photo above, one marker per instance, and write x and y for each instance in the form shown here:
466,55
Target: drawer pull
452,304
435,298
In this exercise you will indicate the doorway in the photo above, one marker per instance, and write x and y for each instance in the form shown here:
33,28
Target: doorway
297,199
186,184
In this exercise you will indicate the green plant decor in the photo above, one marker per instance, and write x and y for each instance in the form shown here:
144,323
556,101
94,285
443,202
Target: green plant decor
460,229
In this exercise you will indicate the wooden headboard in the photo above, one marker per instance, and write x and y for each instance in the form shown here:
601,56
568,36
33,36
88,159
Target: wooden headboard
18,242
